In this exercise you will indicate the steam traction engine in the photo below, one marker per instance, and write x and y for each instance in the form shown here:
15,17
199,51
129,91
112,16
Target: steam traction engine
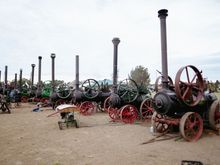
184,105
91,95
59,93
128,101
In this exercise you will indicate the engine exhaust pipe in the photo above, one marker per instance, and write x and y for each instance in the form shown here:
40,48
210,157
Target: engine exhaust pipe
77,72
115,41
39,71
32,75
15,87
53,70
162,14
20,80
6,77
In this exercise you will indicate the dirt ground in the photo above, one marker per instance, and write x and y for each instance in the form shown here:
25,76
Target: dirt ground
31,138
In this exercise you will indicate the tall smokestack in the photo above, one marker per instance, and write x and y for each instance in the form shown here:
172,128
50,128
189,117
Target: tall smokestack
77,72
20,80
0,76
6,77
15,87
32,75
53,70
39,70
162,14
115,41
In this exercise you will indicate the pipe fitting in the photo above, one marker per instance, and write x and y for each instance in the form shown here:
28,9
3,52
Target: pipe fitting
52,55
116,41
162,13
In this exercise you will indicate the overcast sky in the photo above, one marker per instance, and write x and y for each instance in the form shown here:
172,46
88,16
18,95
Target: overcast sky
32,28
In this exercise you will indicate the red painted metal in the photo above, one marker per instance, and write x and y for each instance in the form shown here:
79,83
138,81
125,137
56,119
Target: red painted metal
87,108
146,109
162,123
44,100
106,104
128,114
24,99
113,113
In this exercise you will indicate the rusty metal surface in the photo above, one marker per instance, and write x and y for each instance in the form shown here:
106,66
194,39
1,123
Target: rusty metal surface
189,90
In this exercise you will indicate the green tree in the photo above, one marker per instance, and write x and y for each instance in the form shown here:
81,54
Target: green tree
217,83
140,75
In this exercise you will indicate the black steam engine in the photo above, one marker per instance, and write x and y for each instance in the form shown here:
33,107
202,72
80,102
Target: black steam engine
128,101
59,93
90,97
186,105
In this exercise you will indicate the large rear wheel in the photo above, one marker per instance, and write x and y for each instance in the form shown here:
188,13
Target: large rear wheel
191,126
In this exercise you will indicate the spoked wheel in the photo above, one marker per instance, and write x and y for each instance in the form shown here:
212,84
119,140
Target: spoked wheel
214,115
189,85
35,99
63,91
91,88
191,126
159,84
128,90
113,113
24,99
106,104
87,108
44,100
128,114
146,109
158,123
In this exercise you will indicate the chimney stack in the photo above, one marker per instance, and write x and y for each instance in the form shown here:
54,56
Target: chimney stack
32,75
77,72
162,14
15,87
53,70
6,77
115,41
39,70
20,80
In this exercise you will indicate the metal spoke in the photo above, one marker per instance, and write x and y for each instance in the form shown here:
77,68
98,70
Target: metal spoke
193,78
186,92
187,73
124,94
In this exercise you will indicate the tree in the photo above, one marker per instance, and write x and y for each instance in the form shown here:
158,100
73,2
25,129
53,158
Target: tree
217,83
140,75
